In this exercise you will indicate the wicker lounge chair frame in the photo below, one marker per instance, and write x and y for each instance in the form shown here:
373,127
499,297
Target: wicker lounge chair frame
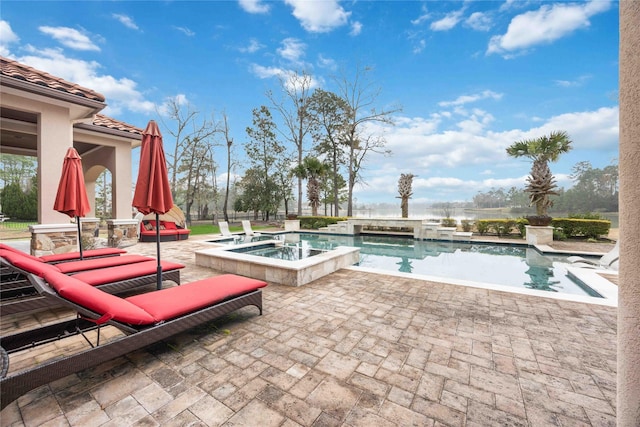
15,385
20,295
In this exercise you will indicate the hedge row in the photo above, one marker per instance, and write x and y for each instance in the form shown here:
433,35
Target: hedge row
570,227
590,228
316,222
501,226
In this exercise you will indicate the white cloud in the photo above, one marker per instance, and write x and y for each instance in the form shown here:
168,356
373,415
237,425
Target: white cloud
449,161
545,25
465,99
356,28
186,31
292,49
7,36
120,93
573,83
319,16
448,22
263,72
419,46
254,6
479,21
125,20
425,16
179,99
70,37
327,63
597,129
289,77
253,47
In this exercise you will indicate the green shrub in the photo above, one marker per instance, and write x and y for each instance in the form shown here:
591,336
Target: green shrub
467,225
500,226
317,222
587,215
577,227
520,225
558,234
449,222
482,227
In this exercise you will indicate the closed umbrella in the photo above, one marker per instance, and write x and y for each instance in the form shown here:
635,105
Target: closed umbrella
152,193
71,198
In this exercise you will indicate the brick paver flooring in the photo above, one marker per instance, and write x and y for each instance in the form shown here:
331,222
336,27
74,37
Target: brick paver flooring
351,349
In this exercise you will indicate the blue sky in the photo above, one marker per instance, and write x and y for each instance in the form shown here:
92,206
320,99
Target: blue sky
471,77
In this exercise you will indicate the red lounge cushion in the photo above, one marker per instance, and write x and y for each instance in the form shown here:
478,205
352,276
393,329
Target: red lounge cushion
173,302
152,222
168,225
88,254
183,231
107,305
27,263
162,232
95,263
17,251
124,272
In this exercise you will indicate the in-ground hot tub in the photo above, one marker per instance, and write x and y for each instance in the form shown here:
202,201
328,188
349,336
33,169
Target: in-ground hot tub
273,262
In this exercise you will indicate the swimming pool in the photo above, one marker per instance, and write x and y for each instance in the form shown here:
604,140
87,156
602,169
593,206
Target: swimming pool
506,265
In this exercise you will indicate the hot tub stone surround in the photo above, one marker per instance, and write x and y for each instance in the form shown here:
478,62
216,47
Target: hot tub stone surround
290,273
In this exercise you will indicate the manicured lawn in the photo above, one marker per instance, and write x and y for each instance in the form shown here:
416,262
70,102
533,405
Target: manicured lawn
197,229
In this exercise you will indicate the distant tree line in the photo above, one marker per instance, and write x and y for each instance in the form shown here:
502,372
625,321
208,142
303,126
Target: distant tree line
594,190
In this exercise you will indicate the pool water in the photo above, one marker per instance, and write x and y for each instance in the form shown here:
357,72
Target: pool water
506,265
286,253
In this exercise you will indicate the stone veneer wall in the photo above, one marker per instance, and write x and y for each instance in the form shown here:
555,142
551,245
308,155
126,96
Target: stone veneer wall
48,239
122,232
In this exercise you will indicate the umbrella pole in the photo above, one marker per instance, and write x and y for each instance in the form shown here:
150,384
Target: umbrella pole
159,272
79,236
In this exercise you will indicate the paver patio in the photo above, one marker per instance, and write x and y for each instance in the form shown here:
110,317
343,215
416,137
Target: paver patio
351,349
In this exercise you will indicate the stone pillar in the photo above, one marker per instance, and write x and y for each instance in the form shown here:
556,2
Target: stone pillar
292,225
49,239
122,232
628,383
537,235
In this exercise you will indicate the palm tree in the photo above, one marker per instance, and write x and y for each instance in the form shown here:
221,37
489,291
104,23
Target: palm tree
542,150
312,170
404,189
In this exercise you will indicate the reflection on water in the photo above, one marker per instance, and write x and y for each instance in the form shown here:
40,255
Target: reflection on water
285,253
498,264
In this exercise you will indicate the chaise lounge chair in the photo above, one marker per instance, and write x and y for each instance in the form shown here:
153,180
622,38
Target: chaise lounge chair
248,231
145,319
71,256
71,267
608,261
20,296
224,229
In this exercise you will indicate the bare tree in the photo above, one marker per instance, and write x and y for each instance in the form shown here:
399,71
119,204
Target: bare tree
292,107
361,96
229,142
186,128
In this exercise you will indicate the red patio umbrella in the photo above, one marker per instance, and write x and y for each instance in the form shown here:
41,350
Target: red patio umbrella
152,193
71,198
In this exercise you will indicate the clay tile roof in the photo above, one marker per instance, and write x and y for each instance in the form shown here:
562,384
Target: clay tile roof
16,70
108,122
